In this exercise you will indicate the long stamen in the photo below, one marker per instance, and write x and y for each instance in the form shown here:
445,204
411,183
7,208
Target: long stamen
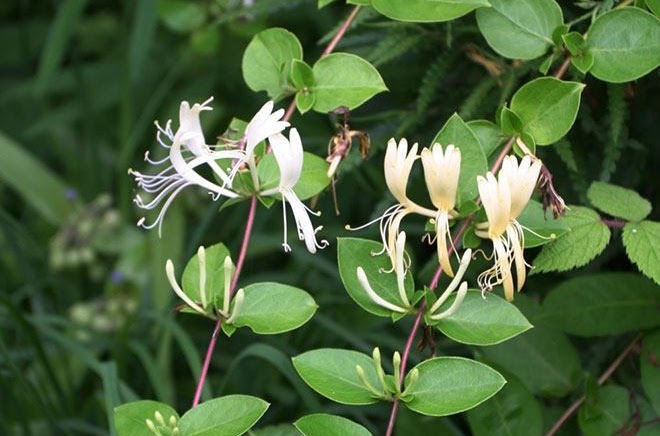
400,270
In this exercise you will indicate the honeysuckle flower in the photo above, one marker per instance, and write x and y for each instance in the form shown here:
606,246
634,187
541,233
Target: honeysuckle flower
400,270
169,270
460,295
187,150
441,171
289,156
397,166
504,199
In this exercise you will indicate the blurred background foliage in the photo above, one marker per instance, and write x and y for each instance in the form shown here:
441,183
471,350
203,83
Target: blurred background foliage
86,312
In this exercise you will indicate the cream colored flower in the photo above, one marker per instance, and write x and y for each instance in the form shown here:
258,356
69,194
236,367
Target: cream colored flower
441,172
504,199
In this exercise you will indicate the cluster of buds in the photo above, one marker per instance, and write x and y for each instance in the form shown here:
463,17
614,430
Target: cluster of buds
503,198
387,391
159,427
188,152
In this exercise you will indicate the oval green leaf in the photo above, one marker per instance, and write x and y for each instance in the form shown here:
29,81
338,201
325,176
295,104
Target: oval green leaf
344,79
625,45
266,57
231,415
426,11
642,242
482,321
603,304
618,202
606,412
547,107
131,418
513,411
473,159
331,372
323,424
519,29
353,253
448,385
271,308
215,275
313,178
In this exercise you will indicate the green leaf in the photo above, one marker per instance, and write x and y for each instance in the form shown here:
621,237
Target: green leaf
654,6
344,79
426,11
215,275
650,369
587,238
536,221
510,122
271,308
448,385
603,304
606,412
575,43
266,58
618,202
353,253
37,184
625,44
519,29
482,321
513,411
331,373
313,178
322,3
583,62
551,365
181,15
322,424
231,415
305,101
642,242
547,107
302,74
488,133
131,418
473,159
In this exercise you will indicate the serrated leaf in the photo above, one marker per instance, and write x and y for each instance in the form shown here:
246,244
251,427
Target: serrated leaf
519,29
618,202
587,238
323,424
606,412
426,11
130,418
332,373
313,178
344,79
650,369
448,385
513,411
270,308
266,58
353,253
602,304
473,159
642,242
625,44
547,107
231,415
482,321
215,275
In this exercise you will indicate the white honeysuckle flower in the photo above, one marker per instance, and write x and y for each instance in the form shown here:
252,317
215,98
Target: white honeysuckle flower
460,295
264,124
169,270
289,156
441,172
187,150
238,302
504,199
364,282
397,167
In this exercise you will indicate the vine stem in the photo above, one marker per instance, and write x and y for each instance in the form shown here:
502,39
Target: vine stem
433,285
250,221
601,380
216,330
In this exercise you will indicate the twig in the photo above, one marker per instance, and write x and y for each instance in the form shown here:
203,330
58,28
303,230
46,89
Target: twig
601,380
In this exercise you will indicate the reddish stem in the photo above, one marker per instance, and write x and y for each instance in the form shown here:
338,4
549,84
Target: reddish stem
563,67
340,33
614,223
434,284
232,288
